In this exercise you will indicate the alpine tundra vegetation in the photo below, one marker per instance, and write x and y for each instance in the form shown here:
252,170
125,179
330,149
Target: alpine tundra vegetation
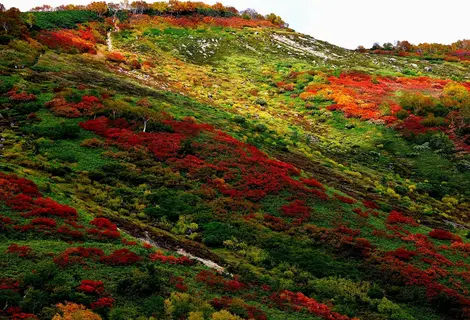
178,160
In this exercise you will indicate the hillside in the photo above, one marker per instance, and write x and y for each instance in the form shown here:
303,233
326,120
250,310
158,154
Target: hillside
193,162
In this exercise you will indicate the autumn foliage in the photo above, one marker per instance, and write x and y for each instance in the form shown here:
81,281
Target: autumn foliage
69,41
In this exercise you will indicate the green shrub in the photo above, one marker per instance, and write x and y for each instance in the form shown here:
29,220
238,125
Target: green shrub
341,289
394,311
260,127
215,233
418,103
433,121
438,141
402,114
63,19
56,132
172,203
123,313
261,102
6,83
239,119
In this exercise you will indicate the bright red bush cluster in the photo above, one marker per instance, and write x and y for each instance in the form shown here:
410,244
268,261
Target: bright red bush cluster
227,304
298,301
89,106
276,223
44,222
313,183
116,57
68,40
102,303
370,204
159,256
219,282
297,209
91,287
441,234
9,284
402,254
396,217
105,229
121,257
344,199
14,95
21,251
78,255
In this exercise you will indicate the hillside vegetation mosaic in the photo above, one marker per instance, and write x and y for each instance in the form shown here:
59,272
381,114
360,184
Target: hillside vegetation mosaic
176,160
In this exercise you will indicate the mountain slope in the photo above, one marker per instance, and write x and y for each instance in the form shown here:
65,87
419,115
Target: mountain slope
327,180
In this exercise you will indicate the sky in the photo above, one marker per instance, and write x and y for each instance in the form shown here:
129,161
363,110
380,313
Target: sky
349,23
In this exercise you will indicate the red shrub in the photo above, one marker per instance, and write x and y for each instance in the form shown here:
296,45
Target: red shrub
215,280
370,204
396,217
22,96
298,301
102,303
91,286
22,251
76,255
345,230
128,243
402,254
159,256
48,207
312,183
20,202
116,57
68,232
297,209
361,213
121,257
9,284
345,199
68,41
441,234
103,223
46,222
275,223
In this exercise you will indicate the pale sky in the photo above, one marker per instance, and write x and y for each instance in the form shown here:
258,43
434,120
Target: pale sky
350,23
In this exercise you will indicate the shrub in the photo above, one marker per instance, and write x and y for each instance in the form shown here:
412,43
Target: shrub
344,290
296,209
21,251
215,233
102,303
432,121
239,119
344,199
402,254
91,286
75,311
261,102
260,127
441,234
67,41
121,257
396,217
67,19
57,132
171,204
402,114
417,103
116,57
